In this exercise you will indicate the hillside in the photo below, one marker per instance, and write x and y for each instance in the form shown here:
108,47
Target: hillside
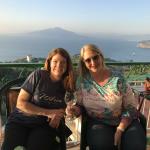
75,59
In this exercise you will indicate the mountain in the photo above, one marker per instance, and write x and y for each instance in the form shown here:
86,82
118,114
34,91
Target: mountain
54,33
39,43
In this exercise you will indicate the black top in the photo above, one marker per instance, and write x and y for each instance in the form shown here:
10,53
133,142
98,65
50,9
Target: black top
44,92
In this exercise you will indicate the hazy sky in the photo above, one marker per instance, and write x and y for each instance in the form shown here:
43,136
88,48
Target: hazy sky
110,16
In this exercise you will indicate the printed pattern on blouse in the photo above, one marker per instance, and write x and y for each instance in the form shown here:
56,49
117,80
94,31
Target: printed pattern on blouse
108,103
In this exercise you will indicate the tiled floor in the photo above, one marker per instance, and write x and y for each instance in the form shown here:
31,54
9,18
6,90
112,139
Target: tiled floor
78,148
148,148
74,148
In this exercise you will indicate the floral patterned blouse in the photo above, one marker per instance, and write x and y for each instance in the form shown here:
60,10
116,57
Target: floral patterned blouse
109,103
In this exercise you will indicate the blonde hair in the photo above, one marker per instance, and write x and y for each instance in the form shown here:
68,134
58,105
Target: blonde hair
68,76
83,69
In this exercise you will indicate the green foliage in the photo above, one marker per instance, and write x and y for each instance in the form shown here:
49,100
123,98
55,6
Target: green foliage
131,72
8,74
134,70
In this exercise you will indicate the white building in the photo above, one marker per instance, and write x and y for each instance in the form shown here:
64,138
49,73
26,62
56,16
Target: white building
29,58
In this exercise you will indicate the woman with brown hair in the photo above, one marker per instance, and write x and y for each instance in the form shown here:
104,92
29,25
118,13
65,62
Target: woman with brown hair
40,109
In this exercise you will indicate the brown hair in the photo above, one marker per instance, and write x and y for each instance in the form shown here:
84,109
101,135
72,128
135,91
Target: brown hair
83,69
68,76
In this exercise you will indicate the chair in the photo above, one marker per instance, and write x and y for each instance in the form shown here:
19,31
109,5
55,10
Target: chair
83,142
8,98
6,106
145,109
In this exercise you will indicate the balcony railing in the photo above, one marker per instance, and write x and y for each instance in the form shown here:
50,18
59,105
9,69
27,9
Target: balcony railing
133,71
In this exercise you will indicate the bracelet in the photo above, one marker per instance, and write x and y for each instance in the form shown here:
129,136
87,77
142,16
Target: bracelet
121,129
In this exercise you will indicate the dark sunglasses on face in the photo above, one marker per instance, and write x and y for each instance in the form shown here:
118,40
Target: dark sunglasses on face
94,58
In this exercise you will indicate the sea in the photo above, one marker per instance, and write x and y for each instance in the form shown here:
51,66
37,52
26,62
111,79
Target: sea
124,51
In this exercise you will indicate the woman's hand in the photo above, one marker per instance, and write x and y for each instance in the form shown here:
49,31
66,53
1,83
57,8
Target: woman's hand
120,129
117,137
54,121
55,118
72,110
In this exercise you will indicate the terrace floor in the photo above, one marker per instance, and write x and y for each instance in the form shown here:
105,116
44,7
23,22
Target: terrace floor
77,147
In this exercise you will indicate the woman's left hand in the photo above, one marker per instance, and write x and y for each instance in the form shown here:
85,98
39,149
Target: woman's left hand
117,137
54,121
55,118
72,110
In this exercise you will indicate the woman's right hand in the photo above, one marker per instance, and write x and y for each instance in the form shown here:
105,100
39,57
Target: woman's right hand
117,137
72,110
54,121
55,117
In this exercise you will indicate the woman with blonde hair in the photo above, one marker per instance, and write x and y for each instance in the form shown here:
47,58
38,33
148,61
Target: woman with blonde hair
40,109
109,104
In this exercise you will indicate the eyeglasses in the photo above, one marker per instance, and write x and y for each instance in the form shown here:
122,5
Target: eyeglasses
94,58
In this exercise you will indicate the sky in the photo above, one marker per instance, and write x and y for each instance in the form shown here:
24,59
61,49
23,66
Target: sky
81,16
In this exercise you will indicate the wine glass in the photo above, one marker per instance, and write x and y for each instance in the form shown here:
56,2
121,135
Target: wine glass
71,104
73,124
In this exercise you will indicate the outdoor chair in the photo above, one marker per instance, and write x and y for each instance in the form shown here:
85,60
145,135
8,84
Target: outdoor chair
7,105
145,109
83,142
8,98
